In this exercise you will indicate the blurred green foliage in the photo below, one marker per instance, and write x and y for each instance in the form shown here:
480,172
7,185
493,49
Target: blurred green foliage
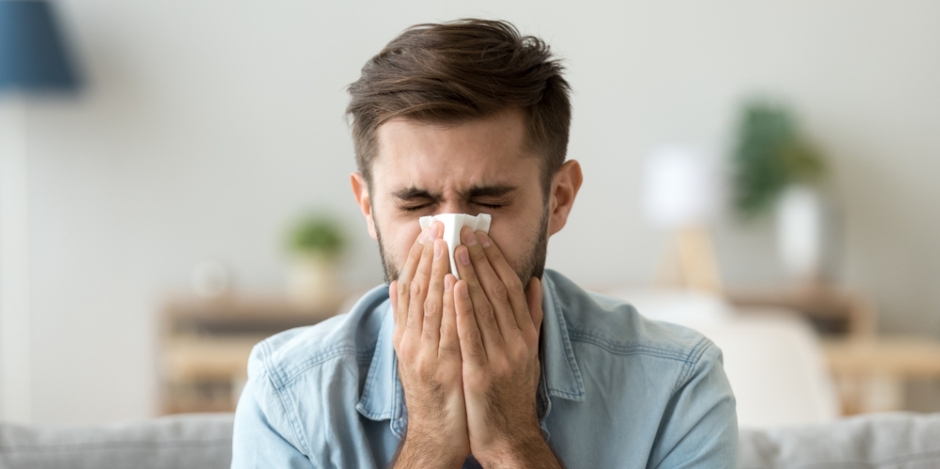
317,234
769,155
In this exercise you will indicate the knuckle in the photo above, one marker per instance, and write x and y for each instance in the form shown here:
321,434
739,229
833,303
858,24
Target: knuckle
474,338
448,330
449,348
404,350
477,254
432,306
416,289
499,290
485,310
515,285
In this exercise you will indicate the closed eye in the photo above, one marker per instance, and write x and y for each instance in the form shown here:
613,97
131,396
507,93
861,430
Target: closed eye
415,208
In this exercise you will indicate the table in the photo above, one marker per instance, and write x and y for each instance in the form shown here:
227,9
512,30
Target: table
870,372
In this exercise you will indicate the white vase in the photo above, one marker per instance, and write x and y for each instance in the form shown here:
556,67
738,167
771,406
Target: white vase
312,280
805,229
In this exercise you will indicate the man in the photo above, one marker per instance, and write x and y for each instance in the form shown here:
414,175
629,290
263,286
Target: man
508,367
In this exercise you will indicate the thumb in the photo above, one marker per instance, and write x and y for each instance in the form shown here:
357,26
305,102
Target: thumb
533,296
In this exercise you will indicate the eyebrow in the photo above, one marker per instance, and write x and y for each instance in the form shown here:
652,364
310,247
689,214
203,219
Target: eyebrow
494,190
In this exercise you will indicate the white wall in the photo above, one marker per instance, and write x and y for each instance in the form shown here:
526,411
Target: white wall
206,125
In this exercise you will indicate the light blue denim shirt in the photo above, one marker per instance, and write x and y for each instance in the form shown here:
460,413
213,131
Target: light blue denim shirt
616,390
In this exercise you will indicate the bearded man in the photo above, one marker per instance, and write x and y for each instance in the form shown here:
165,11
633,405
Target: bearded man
510,366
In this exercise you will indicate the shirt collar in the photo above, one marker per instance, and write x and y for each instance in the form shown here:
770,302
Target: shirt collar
383,398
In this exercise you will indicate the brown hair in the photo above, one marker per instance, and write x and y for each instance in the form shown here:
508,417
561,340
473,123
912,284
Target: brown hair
461,70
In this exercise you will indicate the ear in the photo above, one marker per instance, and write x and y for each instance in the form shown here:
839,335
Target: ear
565,187
361,193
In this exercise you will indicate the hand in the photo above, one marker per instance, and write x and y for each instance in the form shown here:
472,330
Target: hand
429,362
498,325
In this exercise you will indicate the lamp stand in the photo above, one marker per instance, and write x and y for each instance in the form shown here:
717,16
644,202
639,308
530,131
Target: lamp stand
15,344
691,263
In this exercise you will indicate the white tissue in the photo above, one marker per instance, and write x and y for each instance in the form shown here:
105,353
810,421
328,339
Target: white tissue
453,222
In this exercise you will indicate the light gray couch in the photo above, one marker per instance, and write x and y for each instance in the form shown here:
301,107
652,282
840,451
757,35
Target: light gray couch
204,441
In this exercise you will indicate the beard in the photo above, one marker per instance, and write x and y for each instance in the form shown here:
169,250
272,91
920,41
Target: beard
531,265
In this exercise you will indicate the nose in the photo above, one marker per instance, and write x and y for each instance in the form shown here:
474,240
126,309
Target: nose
454,206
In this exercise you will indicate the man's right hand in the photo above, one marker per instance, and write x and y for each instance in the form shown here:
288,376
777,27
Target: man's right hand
429,362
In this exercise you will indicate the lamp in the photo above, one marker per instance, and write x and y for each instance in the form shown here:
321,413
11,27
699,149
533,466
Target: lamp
33,59
681,194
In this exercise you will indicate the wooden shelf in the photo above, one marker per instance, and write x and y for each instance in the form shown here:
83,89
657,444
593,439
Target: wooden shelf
831,310
205,344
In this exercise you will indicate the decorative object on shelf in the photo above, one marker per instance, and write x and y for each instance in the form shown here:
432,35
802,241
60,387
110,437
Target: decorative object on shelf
776,169
211,278
33,60
316,243
681,194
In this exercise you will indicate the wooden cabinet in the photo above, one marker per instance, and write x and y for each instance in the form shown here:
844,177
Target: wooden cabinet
205,343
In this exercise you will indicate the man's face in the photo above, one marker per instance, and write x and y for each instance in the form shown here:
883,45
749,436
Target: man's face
480,166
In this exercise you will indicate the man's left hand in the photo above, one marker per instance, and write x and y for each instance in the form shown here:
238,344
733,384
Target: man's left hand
498,325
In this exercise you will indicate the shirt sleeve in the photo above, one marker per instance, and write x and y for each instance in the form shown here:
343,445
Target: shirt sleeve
700,427
263,436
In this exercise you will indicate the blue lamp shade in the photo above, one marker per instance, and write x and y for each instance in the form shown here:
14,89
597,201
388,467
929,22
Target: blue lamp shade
32,53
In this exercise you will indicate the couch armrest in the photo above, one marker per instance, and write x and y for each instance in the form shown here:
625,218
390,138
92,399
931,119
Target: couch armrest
897,440
197,441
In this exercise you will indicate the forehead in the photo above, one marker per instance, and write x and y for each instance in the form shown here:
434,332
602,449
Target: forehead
483,151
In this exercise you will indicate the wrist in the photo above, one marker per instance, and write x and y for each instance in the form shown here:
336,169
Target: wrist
420,449
518,451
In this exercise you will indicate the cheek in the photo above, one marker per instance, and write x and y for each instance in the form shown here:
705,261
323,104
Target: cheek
511,240
399,237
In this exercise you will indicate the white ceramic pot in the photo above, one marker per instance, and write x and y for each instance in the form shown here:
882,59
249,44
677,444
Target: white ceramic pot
312,279
805,233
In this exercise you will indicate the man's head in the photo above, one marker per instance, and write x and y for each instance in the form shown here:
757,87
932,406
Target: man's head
466,117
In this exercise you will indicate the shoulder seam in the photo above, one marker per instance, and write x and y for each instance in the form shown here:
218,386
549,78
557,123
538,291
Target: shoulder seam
629,349
693,359
318,359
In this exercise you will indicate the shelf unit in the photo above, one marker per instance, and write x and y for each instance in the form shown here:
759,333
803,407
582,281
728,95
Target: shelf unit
205,343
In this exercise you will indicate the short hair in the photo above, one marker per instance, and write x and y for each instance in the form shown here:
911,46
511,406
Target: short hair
457,71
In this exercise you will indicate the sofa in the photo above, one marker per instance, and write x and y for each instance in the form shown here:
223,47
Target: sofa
204,441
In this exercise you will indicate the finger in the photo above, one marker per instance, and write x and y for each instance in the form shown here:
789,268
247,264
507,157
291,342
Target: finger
393,301
450,341
433,305
472,351
534,301
509,277
492,286
404,282
483,310
418,289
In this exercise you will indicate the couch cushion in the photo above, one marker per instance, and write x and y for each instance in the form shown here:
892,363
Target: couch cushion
197,441
876,441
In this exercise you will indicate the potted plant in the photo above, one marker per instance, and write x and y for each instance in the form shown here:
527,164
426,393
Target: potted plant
315,243
776,169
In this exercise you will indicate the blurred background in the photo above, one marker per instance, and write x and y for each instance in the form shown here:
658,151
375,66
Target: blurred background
762,171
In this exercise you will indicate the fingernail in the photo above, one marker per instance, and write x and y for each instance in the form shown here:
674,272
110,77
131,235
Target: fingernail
484,239
422,236
438,249
464,292
433,234
448,283
469,239
464,257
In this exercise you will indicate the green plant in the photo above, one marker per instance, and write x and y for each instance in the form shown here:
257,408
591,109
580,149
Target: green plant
769,155
317,234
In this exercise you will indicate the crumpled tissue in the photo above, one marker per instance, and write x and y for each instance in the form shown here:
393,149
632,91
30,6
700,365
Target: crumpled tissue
453,222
